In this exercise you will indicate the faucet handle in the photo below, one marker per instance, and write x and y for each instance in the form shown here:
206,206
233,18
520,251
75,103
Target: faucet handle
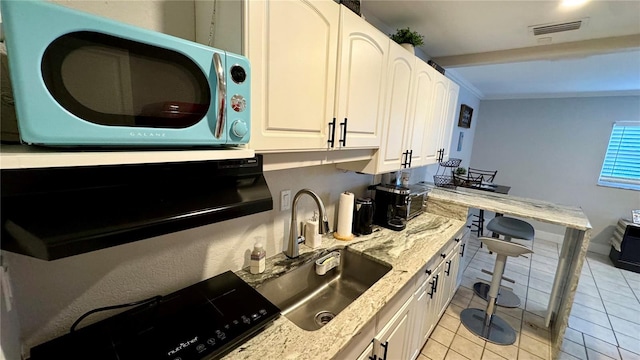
324,228
300,239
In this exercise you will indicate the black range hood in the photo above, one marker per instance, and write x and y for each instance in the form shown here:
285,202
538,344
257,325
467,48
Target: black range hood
53,213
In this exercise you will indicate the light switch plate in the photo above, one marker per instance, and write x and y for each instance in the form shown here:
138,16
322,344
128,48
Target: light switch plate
285,200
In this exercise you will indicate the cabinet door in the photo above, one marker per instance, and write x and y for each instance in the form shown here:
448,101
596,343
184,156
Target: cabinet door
292,46
441,291
367,354
434,131
362,70
394,339
464,257
424,315
400,76
449,117
421,118
451,264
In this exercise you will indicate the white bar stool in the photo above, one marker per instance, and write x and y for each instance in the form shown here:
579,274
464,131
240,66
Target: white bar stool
509,228
485,323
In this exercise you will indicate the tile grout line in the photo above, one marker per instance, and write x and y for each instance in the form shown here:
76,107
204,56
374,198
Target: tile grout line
604,306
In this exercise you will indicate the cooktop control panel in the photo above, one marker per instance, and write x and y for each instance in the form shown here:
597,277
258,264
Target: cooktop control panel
203,321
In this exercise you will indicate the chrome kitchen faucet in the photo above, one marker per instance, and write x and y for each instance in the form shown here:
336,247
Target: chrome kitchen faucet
295,238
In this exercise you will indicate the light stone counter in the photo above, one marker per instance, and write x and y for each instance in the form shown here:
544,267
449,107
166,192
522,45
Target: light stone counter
407,251
455,204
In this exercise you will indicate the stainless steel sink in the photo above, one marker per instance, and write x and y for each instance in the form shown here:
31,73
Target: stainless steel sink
310,300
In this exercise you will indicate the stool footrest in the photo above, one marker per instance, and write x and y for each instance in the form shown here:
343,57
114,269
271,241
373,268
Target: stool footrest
484,281
503,278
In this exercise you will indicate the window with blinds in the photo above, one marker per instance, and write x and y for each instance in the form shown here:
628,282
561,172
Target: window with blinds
621,166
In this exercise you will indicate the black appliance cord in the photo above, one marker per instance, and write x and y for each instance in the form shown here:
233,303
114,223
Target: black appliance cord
156,299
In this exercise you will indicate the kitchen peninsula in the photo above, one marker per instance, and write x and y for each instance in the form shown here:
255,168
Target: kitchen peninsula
454,203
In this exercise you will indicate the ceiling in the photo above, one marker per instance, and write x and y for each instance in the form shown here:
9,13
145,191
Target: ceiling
490,48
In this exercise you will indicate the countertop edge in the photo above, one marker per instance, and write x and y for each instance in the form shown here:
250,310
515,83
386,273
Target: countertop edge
568,216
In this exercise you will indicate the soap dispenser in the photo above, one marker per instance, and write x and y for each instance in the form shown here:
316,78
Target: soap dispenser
312,238
258,259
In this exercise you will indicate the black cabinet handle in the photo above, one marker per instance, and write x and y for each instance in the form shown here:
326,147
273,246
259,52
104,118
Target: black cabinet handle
456,240
428,272
433,288
374,357
332,133
343,139
443,255
448,268
386,348
462,250
405,157
410,156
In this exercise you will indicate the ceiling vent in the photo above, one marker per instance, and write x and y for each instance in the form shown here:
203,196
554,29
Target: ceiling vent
545,29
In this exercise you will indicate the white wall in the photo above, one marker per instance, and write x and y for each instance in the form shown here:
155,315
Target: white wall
51,295
552,149
173,17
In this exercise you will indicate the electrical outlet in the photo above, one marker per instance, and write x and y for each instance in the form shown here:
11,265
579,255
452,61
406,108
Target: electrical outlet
285,200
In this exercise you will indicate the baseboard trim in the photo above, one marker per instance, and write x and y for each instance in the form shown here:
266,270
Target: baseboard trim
599,248
558,239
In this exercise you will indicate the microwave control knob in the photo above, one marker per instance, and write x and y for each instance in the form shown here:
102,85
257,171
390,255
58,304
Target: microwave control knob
239,128
238,103
238,75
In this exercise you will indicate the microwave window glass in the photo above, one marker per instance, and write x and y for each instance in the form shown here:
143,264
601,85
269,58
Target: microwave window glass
112,81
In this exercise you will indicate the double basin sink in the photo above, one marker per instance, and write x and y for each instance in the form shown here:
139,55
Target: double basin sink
310,300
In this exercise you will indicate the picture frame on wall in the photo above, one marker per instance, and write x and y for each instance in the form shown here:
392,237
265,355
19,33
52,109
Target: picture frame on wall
465,116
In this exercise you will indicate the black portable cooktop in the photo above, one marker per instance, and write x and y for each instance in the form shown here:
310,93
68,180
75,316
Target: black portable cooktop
203,321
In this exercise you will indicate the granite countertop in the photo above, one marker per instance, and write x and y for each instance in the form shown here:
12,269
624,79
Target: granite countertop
407,251
568,216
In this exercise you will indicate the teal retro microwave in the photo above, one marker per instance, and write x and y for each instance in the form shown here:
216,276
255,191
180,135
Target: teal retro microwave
84,80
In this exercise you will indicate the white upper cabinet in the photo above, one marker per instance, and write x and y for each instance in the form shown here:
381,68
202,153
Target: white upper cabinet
434,131
449,118
418,118
292,46
423,123
400,74
360,87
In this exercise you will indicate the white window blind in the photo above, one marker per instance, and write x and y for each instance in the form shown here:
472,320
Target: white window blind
621,166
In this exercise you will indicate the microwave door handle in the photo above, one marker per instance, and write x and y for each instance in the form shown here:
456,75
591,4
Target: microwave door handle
222,95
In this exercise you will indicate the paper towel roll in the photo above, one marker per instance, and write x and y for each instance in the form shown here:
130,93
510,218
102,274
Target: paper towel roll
345,216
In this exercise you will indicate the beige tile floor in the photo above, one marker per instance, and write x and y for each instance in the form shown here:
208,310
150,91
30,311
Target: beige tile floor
604,322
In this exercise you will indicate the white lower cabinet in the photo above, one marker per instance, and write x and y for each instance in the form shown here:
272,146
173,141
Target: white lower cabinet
464,256
403,326
394,340
367,354
450,274
425,318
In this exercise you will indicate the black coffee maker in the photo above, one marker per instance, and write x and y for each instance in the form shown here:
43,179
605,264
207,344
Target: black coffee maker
392,206
363,216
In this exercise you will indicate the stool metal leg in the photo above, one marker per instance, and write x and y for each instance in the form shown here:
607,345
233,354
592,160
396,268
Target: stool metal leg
485,323
506,297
